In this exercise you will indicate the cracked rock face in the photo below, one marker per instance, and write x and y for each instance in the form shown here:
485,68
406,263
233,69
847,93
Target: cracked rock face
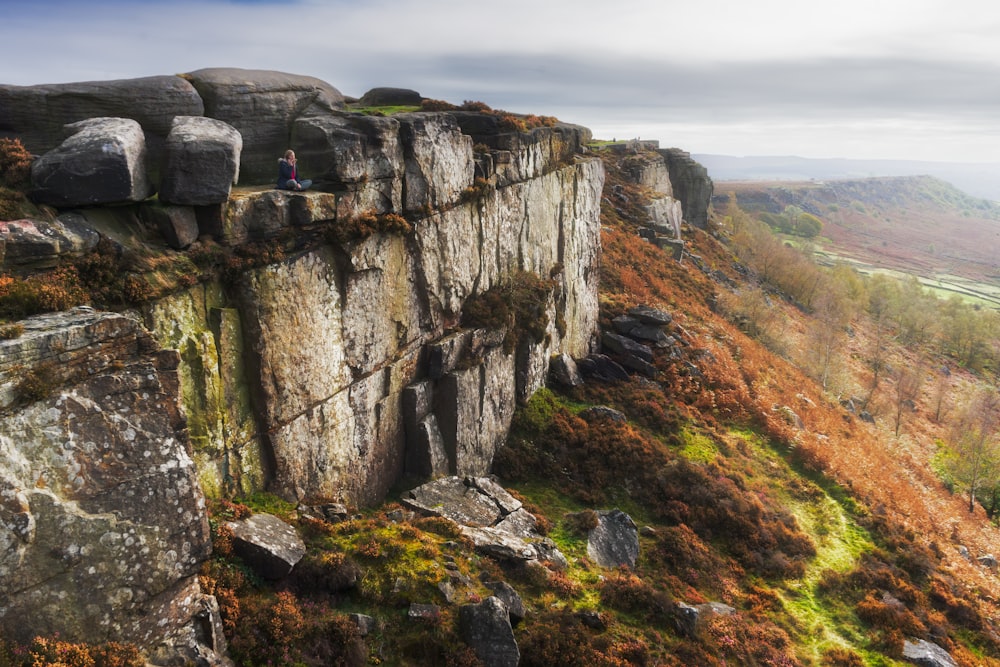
101,516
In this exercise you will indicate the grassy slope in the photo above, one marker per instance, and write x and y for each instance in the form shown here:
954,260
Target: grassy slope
833,541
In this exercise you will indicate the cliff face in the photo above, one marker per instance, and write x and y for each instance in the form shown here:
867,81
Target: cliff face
331,373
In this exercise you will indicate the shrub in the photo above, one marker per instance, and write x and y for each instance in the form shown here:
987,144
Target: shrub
519,303
470,105
437,105
42,293
627,592
366,224
11,331
15,164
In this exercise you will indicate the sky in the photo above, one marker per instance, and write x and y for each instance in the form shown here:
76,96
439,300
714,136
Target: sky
863,79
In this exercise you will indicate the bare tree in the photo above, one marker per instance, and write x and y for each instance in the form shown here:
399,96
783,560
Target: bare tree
907,388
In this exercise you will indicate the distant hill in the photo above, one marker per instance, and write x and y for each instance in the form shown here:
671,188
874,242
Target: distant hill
979,179
918,225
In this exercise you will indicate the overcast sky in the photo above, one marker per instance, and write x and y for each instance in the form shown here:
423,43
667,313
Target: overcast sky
894,79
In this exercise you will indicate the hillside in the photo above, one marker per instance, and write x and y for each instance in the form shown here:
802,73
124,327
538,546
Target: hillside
820,539
915,225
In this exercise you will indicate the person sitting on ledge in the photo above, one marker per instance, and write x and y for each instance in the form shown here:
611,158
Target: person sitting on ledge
288,177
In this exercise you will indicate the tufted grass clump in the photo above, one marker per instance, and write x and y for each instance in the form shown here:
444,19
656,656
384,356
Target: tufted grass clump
368,223
47,292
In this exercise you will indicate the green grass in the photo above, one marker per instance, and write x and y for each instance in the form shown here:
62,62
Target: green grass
386,110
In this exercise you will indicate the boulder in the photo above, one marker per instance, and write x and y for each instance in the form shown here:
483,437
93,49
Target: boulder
37,114
269,545
177,224
564,371
602,368
988,561
614,542
625,347
383,97
365,624
103,161
926,654
650,315
263,106
511,599
424,612
486,628
32,245
201,162
598,412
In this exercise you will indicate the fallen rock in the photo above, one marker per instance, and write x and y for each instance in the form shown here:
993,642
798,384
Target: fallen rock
602,368
486,628
614,542
201,163
364,623
988,561
598,412
268,545
650,315
564,371
103,161
623,345
177,224
506,593
926,654
424,612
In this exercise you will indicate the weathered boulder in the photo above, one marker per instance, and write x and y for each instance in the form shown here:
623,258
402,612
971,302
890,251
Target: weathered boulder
263,106
691,185
37,114
650,315
32,245
250,216
485,627
599,412
603,368
488,515
103,161
926,654
102,521
614,542
384,96
564,371
511,599
438,163
202,162
626,347
269,545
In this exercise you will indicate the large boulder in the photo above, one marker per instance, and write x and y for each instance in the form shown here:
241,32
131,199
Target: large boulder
37,114
103,161
614,542
269,545
486,628
381,97
202,161
263,105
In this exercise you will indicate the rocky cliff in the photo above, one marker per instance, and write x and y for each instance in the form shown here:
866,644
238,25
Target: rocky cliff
332,368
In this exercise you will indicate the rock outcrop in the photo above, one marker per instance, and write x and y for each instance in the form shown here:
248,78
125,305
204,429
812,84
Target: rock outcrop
333,371
691,185
102,520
